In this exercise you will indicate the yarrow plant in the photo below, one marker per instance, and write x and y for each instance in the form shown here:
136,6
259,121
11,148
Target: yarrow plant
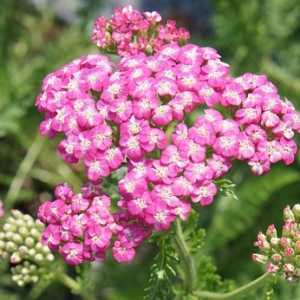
168,120
133,114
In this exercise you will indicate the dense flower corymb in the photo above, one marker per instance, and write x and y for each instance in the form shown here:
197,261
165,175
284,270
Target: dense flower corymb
134,115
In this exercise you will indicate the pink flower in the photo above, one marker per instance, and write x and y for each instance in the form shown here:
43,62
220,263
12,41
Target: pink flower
97,237
249,115
153,17
132,147
202,132
227,145
269,119
72,253
138,205
130,185
114,158
219,165
288,151
159,216
180,134
271,149
79,203
101,137
256,133
182,210
142,108
122,253
171,156
159,173
246,147
52,236
198,172
204,193
233,95
259,164
153,138
182,186
194,151
162,115
166,87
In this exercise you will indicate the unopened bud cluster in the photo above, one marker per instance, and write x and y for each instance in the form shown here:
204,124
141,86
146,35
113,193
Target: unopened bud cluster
20,243
282,254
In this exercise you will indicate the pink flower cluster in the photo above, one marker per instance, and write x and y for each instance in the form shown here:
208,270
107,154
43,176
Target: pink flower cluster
129,32
133,114
81,226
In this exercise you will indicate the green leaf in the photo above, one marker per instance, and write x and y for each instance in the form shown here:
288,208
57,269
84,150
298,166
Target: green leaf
233,217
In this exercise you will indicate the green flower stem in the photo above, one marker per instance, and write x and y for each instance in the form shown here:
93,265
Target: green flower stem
23,171
190,272
236,294
69,282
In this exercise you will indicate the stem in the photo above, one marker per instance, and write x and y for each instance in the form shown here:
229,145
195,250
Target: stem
23,171
69,282
187,259
236,294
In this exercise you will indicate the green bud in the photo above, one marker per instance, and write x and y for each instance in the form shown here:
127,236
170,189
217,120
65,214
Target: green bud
17,238
9,228
35,233
39,257
23,250
296,211
39,225
50,257
10,246
16,213
29,242
34,278
288,214
25,271
32,252
23,231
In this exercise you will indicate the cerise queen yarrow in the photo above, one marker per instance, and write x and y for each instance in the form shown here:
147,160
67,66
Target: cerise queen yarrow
133,114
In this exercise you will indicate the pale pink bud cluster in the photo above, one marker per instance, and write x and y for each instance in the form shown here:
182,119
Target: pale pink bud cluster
134,115
281,254
129,32
81,226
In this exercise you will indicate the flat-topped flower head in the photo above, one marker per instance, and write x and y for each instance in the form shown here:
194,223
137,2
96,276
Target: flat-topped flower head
167,120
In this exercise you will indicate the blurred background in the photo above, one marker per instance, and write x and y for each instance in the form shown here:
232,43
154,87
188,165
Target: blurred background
37,36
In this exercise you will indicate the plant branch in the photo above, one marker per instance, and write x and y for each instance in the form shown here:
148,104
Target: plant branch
69,282
186,258
236,294
23,171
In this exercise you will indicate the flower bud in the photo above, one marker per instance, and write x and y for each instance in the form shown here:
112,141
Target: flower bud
288,214
15,258
296,211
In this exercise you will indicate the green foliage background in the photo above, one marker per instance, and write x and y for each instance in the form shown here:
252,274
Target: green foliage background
257,36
